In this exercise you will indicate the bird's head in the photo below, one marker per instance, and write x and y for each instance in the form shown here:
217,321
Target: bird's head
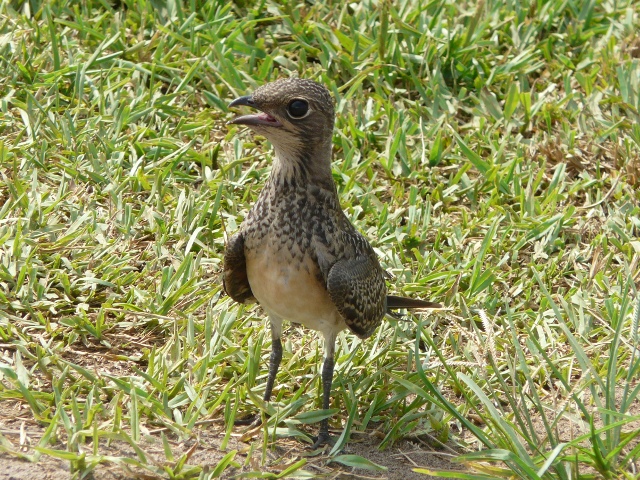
296,116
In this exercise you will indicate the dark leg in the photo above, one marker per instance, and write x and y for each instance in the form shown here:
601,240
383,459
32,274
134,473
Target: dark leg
327,378
274,363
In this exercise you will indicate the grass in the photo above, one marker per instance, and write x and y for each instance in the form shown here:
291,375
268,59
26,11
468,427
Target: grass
489,151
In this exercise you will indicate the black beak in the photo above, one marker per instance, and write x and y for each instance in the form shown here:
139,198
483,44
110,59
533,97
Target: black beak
260,119
246,100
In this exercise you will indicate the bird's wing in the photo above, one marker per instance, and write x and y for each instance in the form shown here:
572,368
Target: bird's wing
235,280
356,285
358,293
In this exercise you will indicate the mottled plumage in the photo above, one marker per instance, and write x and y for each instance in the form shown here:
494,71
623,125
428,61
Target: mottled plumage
296,253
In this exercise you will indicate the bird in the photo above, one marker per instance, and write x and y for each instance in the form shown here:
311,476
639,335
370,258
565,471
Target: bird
296,253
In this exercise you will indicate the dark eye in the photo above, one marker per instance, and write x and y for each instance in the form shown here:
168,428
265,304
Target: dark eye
298,109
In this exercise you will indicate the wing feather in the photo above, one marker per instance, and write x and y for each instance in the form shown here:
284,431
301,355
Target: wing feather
235,279
356,285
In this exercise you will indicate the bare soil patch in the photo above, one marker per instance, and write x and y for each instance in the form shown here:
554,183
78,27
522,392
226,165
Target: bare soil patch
203,447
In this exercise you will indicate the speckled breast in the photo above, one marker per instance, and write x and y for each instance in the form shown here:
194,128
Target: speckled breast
282,263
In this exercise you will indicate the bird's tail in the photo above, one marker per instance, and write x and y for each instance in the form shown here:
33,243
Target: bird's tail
394,302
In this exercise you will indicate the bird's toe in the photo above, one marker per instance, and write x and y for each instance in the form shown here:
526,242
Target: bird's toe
251,420
322,440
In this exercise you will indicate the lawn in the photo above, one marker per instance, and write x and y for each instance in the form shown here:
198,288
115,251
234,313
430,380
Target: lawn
489,151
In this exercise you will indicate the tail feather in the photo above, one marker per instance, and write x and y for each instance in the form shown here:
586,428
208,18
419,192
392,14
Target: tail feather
394,302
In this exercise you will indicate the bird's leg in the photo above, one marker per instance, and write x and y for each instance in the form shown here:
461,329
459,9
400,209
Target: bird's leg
327,378
274,359
274,364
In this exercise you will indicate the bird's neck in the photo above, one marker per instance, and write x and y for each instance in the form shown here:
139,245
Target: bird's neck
302,168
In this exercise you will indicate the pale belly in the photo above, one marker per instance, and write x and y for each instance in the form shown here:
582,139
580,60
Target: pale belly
290,290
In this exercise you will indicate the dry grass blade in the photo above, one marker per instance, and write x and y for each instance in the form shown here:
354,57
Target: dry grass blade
489,151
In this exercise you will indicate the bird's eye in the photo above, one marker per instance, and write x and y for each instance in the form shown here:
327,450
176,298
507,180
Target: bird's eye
298,109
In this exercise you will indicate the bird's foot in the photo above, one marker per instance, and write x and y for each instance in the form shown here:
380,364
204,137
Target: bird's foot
323,439
250,420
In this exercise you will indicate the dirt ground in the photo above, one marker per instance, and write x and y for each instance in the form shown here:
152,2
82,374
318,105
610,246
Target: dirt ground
19,432
18,428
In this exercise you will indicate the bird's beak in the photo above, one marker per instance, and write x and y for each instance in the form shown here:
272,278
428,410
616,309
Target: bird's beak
257,119
246,100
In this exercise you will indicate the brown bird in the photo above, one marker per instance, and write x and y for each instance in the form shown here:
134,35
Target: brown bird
296,253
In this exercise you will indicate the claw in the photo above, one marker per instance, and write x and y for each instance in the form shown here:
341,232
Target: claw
251,420
323,439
